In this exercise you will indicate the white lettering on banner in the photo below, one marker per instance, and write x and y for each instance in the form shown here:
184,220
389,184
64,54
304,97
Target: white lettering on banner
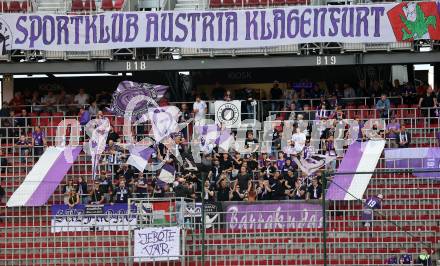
157,244
221,29
75,220
277,219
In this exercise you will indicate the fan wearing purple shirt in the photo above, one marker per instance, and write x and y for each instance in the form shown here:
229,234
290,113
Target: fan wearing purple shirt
38,141
280,161
392,130
371,204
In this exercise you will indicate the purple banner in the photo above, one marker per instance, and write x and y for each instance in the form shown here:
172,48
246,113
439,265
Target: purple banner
272,215
418,159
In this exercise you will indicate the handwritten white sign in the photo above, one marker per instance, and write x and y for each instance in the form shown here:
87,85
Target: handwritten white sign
157,244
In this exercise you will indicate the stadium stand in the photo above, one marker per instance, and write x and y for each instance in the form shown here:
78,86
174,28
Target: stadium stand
408,219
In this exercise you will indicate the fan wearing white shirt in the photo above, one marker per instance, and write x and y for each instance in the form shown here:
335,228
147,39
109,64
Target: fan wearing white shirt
299,140
199,109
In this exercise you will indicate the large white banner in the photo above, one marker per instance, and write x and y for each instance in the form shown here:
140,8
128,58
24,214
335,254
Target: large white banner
378,23
157,244
228,114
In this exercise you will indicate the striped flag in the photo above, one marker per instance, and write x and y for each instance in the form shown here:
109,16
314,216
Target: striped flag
139,156
360,157
167,173
44,178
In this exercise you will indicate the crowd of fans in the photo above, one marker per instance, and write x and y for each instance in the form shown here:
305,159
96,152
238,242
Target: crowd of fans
230,176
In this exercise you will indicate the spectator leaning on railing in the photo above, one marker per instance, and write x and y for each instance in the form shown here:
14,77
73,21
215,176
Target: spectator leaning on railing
383,106
371,204
38,141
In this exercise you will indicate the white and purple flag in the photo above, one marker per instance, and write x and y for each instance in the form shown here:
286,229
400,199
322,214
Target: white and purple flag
139,156
164,121
45,176
167,173
97,130
128,90
213,134
360,157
